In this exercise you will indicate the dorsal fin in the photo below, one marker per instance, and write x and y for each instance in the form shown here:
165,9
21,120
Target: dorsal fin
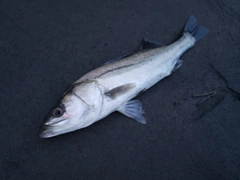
149,44
146,44
117,59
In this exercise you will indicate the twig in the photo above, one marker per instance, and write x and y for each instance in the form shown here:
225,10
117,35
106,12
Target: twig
209,94
206,98
205,94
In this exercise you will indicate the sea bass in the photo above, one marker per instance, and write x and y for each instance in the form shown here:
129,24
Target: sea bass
112,86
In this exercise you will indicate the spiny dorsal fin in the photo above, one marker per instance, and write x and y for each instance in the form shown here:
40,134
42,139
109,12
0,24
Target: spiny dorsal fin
146,44
117,59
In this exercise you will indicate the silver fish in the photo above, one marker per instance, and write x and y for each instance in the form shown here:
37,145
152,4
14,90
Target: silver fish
111,87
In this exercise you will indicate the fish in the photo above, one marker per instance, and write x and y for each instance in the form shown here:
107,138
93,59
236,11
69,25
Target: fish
112,87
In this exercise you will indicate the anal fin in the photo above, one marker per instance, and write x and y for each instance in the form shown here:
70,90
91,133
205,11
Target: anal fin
133,109
177,65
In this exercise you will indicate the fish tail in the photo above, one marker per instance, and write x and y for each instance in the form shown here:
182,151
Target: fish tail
197,31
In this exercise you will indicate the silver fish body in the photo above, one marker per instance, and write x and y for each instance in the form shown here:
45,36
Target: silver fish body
111,87
141,70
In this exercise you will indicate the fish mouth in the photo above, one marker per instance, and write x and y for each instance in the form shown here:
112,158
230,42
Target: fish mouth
45,133
50,129
54,123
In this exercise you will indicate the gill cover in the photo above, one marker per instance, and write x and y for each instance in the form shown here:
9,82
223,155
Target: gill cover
82,105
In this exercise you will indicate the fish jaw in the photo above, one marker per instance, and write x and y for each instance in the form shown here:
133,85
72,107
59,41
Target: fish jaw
82,106
48,131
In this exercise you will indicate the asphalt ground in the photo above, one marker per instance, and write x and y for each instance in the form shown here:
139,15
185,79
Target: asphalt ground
47,45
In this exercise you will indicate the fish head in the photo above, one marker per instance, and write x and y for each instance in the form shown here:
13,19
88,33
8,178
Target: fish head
78,108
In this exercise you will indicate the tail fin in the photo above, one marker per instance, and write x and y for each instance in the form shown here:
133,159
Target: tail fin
197,31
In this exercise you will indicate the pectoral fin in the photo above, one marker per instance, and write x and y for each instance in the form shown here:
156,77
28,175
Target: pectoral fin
120,90
133,109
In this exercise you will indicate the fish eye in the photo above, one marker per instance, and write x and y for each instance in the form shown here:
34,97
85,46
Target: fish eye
57,112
